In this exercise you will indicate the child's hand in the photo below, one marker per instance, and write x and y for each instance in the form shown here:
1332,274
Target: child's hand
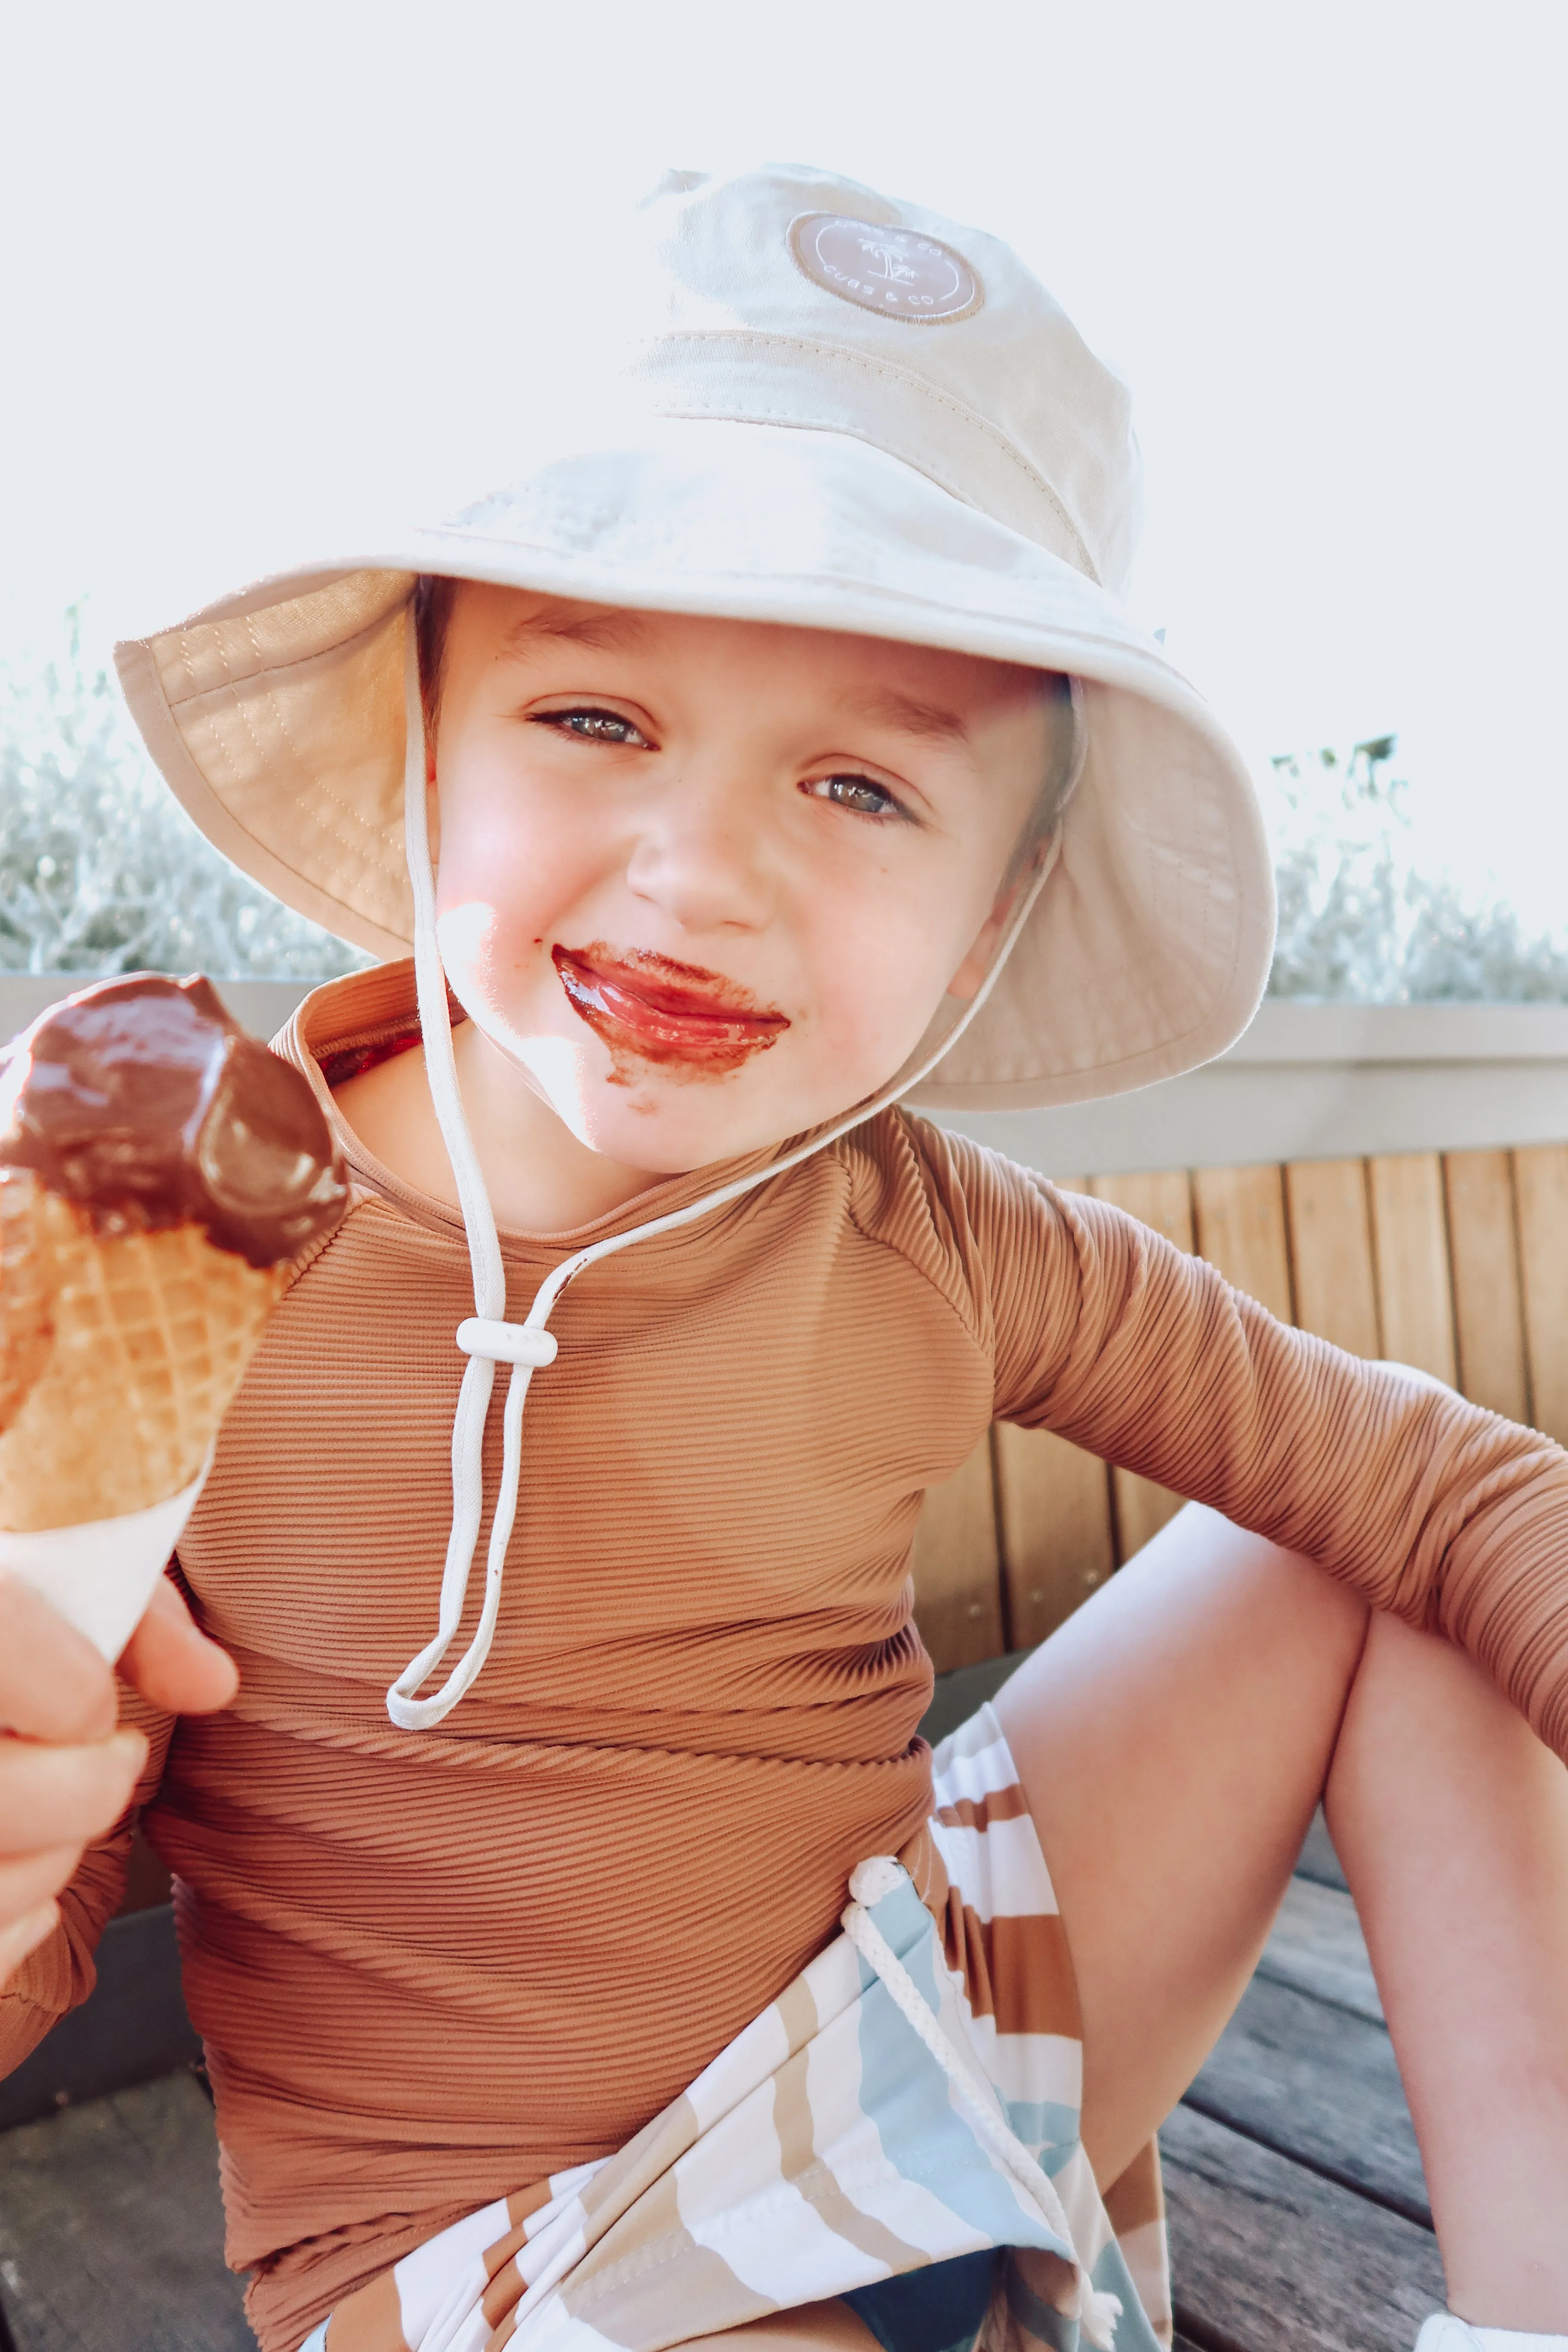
66,1773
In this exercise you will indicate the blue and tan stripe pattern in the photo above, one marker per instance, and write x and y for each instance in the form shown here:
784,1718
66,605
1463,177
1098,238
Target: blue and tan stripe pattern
825,2153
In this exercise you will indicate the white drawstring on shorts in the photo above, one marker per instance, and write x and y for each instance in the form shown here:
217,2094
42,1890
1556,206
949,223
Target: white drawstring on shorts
1098,2311
486,1337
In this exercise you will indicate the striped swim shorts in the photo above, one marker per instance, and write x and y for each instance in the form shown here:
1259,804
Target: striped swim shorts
897,2132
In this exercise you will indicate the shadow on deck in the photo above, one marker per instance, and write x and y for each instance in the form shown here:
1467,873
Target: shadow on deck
1298,2215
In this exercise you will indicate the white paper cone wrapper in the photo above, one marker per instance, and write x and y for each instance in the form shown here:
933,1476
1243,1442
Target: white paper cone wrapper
101,1574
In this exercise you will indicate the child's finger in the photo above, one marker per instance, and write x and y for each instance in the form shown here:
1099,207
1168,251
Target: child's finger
53,1683
24,1935
172,1662
53,1796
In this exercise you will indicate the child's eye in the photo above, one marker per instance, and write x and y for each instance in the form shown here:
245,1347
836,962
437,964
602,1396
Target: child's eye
859,793
595,727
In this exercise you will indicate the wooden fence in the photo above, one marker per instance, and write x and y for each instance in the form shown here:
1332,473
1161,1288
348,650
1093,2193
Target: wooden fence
1456,1263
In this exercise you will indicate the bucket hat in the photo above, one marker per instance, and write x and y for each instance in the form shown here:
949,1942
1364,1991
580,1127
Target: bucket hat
843,414
839,412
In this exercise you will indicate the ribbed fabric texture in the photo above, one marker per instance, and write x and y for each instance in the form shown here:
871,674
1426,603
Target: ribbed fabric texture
430,1967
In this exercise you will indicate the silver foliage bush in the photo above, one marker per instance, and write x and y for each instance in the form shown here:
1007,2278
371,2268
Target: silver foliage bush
1360,920
100,870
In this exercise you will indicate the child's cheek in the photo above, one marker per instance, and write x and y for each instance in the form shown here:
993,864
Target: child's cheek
884,966
503,893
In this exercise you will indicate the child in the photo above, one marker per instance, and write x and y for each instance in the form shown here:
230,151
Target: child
777,748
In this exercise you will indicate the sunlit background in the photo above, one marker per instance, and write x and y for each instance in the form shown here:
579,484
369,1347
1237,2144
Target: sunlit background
267,270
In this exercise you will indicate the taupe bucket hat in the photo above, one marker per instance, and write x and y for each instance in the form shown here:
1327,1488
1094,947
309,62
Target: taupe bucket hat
846,414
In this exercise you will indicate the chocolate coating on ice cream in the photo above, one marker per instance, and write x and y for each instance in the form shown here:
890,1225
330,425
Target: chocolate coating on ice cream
142,1101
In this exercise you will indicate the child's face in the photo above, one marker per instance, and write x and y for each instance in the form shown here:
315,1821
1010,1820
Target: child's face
704,883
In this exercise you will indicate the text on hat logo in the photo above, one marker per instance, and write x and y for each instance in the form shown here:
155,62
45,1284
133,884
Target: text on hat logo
898,271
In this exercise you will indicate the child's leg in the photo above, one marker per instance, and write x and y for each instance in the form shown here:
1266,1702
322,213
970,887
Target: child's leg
1451,1820
1173,1738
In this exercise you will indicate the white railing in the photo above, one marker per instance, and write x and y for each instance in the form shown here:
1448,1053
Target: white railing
1307,1082
1323,1082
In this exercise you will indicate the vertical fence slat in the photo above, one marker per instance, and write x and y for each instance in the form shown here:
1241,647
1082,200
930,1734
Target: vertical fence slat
1329,1228
1054,1520
1410,1236
1163,1199
1540,1183
1054,1508
1483,1253
1240,1215
956,1570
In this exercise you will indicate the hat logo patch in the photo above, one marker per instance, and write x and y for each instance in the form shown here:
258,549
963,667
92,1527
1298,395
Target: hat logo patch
896,271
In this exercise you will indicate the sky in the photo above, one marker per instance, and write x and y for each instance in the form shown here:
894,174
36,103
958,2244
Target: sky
265,268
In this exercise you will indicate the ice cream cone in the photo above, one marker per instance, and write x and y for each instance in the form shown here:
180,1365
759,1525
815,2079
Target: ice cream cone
100,1576
25,1327
151,1333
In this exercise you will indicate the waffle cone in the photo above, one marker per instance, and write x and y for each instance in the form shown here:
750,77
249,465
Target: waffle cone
147,1337
27,1325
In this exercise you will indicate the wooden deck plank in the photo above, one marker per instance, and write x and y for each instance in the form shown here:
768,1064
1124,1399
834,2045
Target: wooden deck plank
1318,1946
1318,1859
956,1568
1329,1227
111,2231
1320,2087
1411,1238
1268,2257
1540,1182
1164,1200
1483,1253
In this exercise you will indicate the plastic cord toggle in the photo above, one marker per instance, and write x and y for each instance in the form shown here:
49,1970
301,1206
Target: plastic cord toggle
506,1343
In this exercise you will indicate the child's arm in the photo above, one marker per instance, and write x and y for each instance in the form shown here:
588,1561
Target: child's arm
1430,1508
69,1794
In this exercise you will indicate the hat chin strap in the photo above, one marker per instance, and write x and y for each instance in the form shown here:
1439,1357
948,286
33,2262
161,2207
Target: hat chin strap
486,1337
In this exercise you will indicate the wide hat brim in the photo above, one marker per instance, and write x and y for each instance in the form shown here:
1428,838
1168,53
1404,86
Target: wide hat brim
276,717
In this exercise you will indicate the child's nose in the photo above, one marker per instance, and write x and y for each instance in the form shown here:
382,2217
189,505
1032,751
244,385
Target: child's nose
701,857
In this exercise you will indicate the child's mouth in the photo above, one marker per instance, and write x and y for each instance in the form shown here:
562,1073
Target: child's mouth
647,1004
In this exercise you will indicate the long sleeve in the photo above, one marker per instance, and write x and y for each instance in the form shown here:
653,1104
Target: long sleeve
61,1973
1428,1506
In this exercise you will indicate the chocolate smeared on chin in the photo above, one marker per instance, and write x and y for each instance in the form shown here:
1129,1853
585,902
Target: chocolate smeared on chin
146,1104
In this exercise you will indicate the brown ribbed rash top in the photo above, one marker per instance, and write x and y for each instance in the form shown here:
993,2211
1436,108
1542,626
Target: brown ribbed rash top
431,1969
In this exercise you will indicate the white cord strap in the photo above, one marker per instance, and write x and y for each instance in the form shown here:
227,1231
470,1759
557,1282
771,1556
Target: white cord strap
486,1337
1098,2311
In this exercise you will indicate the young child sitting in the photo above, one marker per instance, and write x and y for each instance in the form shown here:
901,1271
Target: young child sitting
777,748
